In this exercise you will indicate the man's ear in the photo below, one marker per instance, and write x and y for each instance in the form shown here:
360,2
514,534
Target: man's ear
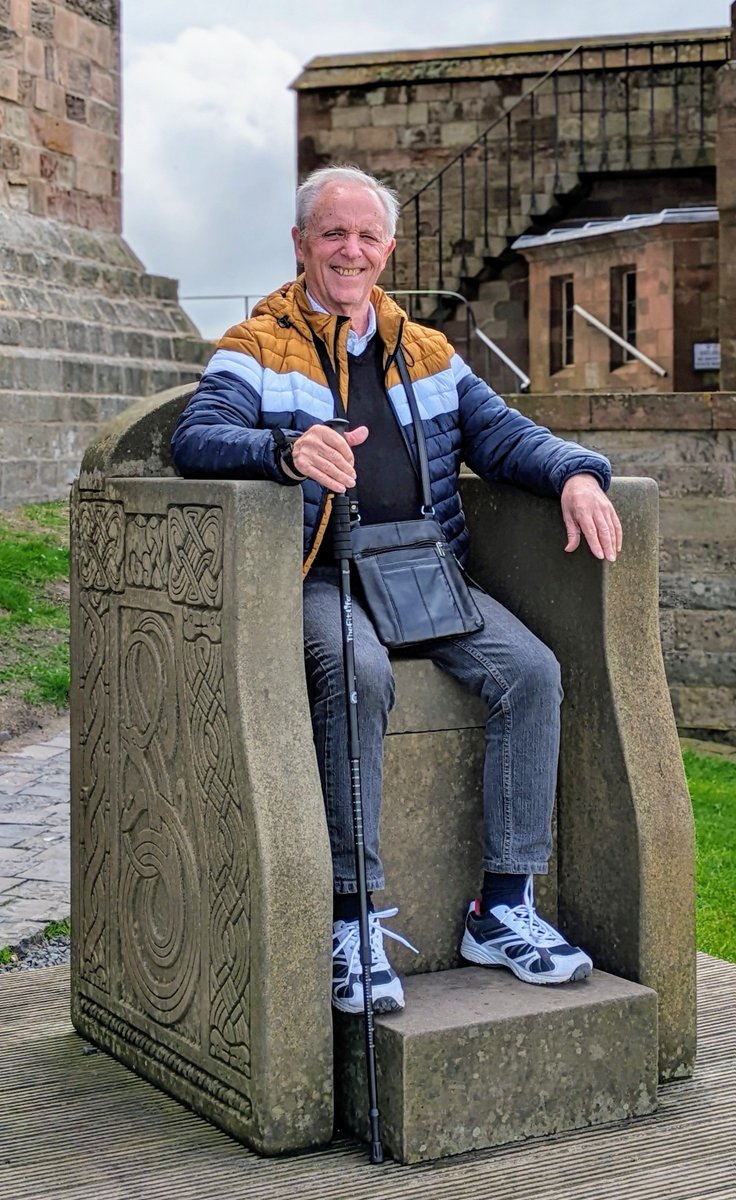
296,238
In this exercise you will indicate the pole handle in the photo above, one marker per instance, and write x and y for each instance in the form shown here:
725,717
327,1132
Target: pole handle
341,542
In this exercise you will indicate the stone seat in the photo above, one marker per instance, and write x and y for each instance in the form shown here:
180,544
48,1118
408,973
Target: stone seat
196,803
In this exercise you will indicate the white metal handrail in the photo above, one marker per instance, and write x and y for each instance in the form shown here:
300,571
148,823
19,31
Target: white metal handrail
524,379
653,366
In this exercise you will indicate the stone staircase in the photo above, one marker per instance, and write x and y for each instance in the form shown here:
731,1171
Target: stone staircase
84,333
637,116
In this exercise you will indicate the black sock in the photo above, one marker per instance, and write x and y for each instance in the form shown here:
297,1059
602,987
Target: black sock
501,888
346,906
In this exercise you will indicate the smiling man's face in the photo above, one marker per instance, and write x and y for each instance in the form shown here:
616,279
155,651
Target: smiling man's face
344,248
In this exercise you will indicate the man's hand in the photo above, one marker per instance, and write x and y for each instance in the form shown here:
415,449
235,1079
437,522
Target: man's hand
325,455
586,509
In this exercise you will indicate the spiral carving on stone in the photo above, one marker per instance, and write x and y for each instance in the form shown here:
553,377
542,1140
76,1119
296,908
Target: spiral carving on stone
159,882
195,542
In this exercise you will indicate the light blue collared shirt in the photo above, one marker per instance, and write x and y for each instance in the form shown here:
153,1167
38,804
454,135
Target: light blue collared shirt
356,345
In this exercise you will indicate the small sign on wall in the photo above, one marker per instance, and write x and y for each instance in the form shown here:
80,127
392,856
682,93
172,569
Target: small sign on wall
706,356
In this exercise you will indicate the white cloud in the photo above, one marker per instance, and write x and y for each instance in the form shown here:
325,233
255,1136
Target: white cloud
209,159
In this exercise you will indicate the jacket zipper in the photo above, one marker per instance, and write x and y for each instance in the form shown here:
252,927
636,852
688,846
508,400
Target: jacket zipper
372,550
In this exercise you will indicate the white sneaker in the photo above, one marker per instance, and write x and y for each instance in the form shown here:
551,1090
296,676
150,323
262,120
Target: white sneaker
518,938
347,971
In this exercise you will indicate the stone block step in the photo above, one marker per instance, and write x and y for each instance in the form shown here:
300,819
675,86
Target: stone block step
85,274
81,336
35,299
478,1059
44,371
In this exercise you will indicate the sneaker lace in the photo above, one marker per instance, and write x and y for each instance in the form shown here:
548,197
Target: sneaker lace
533,928
349,941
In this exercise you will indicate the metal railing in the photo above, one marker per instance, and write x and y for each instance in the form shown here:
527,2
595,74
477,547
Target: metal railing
615,337
472,329
619,106
247,299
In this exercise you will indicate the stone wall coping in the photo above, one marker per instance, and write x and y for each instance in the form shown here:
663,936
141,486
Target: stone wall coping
621,410
376,66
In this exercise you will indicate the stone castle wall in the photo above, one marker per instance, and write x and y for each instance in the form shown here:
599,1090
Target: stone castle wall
60,110
687,442
634,132
85,331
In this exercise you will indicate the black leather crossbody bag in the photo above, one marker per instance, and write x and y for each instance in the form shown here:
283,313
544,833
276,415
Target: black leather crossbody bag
413,584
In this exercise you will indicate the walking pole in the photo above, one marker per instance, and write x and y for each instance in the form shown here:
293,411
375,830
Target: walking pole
343,554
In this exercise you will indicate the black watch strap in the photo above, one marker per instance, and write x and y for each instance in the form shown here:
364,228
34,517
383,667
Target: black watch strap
284,446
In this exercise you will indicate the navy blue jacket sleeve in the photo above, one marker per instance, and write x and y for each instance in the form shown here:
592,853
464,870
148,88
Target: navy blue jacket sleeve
218,434
499,443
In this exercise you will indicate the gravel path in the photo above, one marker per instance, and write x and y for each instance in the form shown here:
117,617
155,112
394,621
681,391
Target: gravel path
38,951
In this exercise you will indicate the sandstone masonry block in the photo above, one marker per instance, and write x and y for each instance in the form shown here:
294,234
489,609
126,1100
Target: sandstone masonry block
33,56
76,107
66,28
103,86
458,133
8,82
371,138
59,136
20,16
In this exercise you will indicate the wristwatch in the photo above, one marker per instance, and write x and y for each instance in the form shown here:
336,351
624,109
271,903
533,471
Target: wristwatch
284,450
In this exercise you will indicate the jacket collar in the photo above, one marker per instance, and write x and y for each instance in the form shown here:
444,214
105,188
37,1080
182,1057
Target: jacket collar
291,304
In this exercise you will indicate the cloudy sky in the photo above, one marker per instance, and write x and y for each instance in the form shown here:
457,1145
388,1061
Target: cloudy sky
209,120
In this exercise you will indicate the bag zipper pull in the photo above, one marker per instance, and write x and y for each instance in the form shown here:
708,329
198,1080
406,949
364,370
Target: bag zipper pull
440,549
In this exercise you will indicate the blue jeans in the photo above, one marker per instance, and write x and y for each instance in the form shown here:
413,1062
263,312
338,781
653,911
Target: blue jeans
517,676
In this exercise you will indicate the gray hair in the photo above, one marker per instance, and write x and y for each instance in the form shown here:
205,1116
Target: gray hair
308,192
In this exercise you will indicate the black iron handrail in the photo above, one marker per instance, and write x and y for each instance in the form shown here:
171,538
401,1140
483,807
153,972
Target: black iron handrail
458,215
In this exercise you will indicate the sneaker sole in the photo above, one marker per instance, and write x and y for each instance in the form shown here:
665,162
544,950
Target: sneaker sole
489,958
383,1005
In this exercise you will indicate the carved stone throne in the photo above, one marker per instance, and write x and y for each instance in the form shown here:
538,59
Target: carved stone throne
196,804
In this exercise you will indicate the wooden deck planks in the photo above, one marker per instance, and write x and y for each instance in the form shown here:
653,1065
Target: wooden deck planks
83,1127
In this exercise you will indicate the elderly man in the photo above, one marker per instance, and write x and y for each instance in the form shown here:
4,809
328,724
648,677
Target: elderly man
259,412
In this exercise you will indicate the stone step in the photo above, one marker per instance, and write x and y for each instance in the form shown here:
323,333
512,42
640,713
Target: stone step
94,338
51,408
43,371
85,274
36,300
480,1059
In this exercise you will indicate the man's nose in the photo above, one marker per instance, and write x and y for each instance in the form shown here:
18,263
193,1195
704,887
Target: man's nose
351,245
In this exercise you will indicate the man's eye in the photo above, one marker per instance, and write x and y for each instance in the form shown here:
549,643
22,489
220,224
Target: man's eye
333,235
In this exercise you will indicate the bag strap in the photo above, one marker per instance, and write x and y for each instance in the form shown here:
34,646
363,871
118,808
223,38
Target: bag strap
427,506
331,377
330,374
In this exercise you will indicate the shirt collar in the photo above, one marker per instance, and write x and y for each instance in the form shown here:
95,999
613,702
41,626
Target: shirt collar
356,345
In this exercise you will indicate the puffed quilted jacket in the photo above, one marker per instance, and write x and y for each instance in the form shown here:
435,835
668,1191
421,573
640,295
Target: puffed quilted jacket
266,373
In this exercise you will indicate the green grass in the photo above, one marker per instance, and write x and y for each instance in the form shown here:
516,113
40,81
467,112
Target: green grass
58,928
34,612
712,784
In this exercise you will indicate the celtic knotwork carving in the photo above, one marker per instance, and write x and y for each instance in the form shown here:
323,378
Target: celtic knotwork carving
229,934
195,541
158,885
146,552
167,1057
101,545
93,879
